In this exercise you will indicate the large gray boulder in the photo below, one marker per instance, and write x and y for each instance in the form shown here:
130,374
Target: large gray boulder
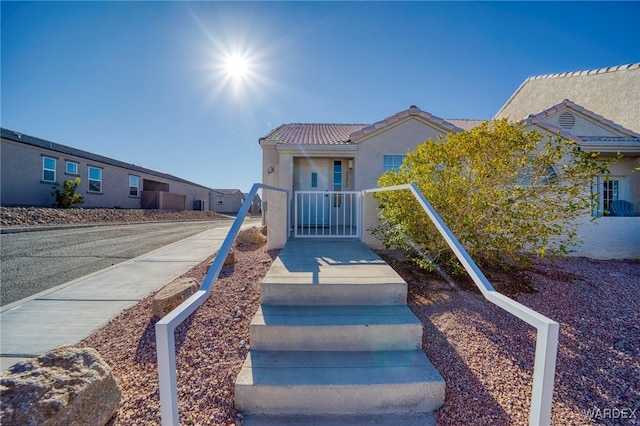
65,386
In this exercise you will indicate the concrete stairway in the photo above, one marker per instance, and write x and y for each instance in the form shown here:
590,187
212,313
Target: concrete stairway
334,343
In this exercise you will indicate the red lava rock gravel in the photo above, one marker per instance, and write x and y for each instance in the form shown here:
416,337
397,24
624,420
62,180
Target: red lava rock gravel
211,347
485,354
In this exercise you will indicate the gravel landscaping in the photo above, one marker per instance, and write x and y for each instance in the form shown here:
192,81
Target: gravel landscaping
485,354
211,347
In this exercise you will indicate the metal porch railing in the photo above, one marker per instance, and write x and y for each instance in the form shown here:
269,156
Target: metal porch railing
547,335
329,214
165,328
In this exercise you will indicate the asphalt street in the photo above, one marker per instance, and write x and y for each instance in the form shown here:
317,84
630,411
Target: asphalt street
32,262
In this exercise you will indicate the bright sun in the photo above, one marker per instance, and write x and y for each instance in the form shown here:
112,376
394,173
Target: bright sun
236,66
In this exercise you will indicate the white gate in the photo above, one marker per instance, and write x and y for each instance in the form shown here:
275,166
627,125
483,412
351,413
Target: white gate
331,214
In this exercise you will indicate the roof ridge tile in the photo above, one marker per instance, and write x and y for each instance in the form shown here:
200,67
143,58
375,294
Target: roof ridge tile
586,72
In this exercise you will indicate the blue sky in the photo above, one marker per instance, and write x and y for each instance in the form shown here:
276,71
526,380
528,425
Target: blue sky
146,83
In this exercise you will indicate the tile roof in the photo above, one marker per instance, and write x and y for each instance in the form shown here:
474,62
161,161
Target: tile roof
313,133
613,92
341,134
64,149
465,124
411,111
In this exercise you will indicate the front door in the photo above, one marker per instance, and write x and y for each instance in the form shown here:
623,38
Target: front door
313,208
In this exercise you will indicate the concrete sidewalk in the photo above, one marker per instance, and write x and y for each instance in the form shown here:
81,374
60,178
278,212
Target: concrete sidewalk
70,312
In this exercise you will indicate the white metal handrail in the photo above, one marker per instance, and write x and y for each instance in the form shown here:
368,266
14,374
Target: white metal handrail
165,328
547,336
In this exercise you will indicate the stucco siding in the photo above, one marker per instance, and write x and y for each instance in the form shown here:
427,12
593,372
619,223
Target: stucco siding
21,176
192,192
231,203
396,140
613,94
22,183
609,238
582,126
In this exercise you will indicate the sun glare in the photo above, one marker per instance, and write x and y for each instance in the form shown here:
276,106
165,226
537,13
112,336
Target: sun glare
236,57
236,66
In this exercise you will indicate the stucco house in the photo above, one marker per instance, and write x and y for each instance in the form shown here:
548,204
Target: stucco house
226,201
256,204
326,165
30,166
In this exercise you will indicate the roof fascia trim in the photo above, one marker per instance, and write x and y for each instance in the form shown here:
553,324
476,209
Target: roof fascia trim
396,120
316,150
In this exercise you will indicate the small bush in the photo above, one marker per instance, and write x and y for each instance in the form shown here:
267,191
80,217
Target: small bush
67,197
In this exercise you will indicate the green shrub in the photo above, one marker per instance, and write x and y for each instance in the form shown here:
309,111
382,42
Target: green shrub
503,192
67,197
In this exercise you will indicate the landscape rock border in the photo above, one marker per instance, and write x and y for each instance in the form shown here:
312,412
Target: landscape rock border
40,216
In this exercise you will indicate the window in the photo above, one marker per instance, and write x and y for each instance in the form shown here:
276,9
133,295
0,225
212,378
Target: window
71,168
48,169
134,186
337,175
392,162
95,179
337,183
526,176
610,193
609,190
219,199
314,180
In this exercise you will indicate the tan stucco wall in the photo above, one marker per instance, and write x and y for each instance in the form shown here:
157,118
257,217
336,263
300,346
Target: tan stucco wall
231,202
583,126
613,94
393,140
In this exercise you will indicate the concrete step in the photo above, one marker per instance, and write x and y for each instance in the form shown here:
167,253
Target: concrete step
335,328
329,275
376,291
411,419
338,383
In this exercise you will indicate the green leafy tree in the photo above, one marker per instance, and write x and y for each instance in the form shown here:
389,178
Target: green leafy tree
67,196
503,192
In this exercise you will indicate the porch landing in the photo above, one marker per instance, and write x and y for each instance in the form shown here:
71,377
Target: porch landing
334,343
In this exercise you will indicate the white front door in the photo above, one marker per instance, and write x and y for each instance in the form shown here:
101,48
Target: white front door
313,173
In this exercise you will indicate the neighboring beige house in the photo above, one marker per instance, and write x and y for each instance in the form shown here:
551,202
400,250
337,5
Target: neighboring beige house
326,165
612,92
226,201
30,166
